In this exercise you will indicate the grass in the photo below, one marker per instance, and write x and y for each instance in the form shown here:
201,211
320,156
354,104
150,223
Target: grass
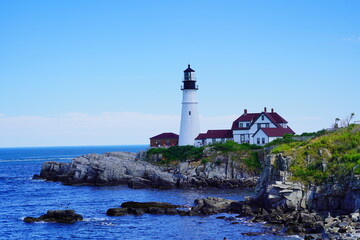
330,156
244,154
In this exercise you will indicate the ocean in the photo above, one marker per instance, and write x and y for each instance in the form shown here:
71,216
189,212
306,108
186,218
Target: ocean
21,196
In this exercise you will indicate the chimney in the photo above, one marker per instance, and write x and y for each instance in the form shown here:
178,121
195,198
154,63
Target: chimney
265,109
272,110
245,111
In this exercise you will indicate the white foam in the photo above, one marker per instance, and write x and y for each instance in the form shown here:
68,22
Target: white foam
94,219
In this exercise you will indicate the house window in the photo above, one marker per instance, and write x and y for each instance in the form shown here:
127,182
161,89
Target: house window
189,112
247,124
259,125
267,125
214,140
258,140
263,140
241,125
242,138
262,117
223,140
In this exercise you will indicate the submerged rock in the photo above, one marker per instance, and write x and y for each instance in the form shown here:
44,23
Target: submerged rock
59,216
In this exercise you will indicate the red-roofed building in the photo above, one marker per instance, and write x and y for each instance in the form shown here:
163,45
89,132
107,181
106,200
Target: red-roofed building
164,140
254,128
246,127
265,135
213,136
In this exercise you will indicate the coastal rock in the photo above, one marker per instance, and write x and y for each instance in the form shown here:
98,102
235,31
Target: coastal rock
108,169
203,206
329,209
117,211
59,216
126,168
275,189
139,208
211,205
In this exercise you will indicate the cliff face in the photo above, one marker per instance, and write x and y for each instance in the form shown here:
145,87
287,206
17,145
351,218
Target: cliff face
276,190
127,168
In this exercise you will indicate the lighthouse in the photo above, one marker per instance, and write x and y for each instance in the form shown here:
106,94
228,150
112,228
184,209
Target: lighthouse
189,126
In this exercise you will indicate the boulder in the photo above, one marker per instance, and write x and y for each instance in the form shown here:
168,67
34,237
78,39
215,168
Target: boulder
147,205
59,216
211,205
139,208
203,206
117,211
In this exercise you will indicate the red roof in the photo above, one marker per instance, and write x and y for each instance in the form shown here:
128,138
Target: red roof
252,117
276,117
246,117
201,136
276,132
215,134
168,135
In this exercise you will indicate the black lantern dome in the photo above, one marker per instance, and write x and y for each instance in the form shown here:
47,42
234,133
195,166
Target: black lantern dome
189,79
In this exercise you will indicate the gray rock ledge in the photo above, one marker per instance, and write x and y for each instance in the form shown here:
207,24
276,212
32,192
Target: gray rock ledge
117,168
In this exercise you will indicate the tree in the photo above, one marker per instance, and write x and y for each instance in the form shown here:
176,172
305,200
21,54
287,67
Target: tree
346,121
336,124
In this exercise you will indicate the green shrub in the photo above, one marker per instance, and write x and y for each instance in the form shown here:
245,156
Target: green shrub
218,162
309,166
204,160
231,146
177,153
253,162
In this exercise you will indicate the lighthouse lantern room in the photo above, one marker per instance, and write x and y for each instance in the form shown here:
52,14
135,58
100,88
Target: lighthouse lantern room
189,126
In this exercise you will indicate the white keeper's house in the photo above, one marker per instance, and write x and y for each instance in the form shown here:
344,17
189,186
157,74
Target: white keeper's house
254,128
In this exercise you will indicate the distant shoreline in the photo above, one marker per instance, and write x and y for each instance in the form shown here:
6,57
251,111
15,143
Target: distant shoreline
81,146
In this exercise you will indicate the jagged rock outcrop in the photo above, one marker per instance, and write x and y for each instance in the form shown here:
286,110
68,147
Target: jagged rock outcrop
203,206
59,216
276,190
108,169
126,168
330,209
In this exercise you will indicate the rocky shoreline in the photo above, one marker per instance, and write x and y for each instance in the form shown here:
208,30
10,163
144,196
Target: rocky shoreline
127,168
328,211
310,225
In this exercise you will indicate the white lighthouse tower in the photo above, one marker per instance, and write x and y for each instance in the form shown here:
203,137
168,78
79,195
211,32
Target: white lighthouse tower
189,127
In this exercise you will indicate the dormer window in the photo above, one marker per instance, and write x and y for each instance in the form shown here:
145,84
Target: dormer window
262,117
241,125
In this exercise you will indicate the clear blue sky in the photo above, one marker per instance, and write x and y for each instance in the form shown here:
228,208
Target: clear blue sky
109,72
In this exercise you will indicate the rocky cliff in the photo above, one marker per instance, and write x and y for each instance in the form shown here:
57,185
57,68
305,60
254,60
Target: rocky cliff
128,168
329,210
276,189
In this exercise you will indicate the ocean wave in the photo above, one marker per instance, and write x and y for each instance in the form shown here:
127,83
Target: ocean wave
95,219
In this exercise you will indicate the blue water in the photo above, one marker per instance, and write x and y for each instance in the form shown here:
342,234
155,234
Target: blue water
21,196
